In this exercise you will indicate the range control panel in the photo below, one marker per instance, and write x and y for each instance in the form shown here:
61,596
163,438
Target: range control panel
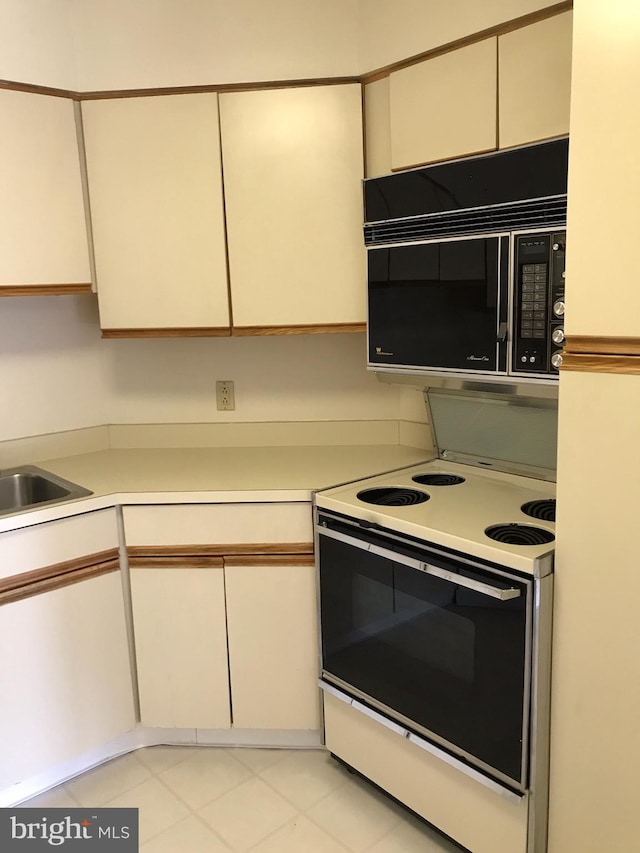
538,322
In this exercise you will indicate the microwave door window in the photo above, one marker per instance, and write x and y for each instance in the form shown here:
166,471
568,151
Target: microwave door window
434,304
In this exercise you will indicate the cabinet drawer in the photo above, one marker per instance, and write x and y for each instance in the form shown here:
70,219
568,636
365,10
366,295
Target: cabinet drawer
218,524
55,542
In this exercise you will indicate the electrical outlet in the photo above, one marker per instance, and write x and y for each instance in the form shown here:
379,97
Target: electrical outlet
225,395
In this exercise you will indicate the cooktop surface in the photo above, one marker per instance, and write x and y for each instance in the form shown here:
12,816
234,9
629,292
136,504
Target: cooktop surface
504,518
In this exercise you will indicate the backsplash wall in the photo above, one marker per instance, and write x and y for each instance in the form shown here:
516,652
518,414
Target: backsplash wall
58,374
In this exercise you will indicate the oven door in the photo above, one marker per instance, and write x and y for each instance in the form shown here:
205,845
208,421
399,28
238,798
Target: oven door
436,642
440,306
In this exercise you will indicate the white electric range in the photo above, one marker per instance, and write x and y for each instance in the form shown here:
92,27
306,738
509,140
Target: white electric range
504,518
435,586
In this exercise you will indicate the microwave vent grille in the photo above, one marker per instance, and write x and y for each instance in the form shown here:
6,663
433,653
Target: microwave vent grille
535,213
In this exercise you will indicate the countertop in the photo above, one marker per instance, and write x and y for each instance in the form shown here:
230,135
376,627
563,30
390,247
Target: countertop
210,475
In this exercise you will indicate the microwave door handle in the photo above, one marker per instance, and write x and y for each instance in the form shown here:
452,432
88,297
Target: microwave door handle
470,583
502,332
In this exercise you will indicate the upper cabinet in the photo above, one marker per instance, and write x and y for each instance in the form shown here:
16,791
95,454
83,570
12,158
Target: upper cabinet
155,190
293,166
535,81
377,129
445,107
496,93
43,233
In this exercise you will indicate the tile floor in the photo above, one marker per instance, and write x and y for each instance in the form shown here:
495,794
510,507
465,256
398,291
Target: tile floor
216,800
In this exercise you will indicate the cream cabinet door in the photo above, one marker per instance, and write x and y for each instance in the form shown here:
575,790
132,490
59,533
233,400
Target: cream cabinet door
535,81
181,646
155,190
377,131
65,676
43,233
444,107
273,643
293,166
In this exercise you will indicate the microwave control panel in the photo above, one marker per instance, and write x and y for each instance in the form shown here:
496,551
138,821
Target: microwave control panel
538,322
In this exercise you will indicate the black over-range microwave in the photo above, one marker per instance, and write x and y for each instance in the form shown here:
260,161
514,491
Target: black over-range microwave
466,263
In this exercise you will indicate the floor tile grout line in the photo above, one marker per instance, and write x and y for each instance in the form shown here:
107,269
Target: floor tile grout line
290,801
182,820
157,772
299,815
193,809
102,767
335,837
256,775
285,751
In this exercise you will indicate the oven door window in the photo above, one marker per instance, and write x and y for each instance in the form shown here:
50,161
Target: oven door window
448,659
437,305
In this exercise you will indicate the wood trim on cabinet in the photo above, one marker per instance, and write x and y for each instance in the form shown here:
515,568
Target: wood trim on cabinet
465,41
602,345
58,575
170,332
442,160
34,89
267,560
601,354
176,562
214,88
44,289
599,363
311,329
218,88
135,552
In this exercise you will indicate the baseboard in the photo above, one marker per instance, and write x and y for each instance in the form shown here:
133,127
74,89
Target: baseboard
143,736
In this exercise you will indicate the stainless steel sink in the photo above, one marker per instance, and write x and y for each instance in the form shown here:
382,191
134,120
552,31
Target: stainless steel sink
28,487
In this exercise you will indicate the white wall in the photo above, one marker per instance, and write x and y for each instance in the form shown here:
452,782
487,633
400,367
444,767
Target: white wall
58,374
391,30
153,43
281,378
52,372
36,43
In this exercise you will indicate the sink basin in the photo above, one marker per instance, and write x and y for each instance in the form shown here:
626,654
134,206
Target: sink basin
27,487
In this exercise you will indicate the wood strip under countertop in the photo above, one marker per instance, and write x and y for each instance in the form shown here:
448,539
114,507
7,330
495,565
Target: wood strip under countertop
135,552
49,578
266,560
178,561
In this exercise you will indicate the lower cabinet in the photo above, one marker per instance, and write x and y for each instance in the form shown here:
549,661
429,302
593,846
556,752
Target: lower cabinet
273,642
66,682
181,645
224,615
65,676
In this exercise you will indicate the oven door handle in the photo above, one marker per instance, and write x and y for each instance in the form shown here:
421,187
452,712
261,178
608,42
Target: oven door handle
427,568
470,583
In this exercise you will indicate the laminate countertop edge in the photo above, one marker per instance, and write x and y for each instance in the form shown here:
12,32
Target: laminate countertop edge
209,475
